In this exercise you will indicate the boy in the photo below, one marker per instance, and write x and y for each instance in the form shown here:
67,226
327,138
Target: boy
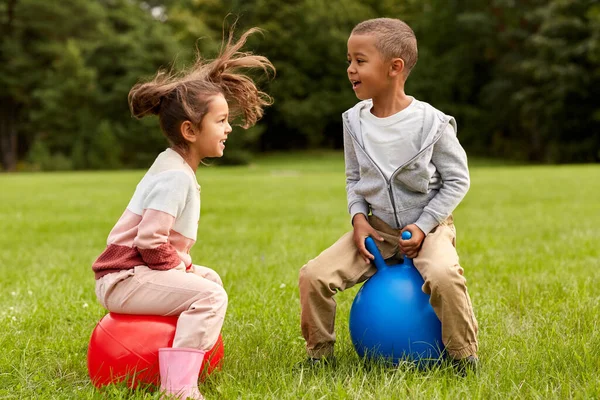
405,171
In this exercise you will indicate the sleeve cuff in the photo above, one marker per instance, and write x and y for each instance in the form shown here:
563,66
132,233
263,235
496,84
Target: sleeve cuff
426,223
162,258
359,208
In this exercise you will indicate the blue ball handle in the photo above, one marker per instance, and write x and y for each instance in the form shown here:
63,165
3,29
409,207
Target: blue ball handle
405,236
379,261
372,248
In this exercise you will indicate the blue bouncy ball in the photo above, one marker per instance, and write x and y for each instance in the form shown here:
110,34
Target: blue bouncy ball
391,318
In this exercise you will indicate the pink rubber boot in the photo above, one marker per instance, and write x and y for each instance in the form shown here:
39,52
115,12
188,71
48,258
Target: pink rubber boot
179,369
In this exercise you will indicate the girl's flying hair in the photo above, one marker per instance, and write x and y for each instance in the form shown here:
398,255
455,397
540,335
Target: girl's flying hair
185,96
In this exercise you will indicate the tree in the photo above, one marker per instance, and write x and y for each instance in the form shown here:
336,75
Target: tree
560,82
67,67
8,108
36,35
520,77
543,82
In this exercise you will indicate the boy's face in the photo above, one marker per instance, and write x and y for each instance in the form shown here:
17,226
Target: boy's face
367,70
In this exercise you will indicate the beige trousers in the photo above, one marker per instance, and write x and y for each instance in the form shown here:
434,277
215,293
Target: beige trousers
197,297
340,267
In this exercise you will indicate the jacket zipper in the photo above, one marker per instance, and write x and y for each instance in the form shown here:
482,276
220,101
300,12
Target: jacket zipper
389,182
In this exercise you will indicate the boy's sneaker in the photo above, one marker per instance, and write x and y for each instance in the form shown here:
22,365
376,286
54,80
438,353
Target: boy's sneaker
314,363
466,365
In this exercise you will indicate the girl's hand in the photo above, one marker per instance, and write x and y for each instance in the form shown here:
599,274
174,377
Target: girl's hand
411,247
362,230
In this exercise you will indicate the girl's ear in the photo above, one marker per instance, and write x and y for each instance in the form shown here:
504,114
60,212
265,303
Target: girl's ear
396,67
188,132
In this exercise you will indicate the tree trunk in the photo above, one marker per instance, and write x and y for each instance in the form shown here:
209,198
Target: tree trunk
8,107
8,134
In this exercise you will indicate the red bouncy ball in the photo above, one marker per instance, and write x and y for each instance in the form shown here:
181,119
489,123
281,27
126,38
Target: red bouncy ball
125,347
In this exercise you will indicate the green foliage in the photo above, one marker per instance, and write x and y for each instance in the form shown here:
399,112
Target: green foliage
69,68
104,149
544,82
39,155
453,38
520,77
311,89
559,83
40,158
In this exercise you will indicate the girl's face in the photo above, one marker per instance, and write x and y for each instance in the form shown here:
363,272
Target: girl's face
214,129
367,71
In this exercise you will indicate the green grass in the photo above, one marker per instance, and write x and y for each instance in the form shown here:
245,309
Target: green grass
528,240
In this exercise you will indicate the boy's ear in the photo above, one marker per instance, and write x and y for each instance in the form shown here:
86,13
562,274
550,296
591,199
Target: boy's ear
396,67
187,131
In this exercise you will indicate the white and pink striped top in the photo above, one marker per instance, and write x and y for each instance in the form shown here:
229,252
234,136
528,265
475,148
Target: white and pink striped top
160,224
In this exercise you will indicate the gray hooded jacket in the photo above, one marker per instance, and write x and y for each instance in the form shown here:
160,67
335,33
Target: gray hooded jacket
423,191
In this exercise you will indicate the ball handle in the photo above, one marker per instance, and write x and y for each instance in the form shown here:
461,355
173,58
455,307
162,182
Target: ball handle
372,247
405,236
379,261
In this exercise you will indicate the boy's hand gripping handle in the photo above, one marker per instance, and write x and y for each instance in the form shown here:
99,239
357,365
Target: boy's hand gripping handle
405,236
379,261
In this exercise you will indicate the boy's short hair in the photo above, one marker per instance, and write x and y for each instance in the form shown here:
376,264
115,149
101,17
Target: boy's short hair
394,38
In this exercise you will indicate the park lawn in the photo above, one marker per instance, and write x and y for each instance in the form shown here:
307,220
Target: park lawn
527,238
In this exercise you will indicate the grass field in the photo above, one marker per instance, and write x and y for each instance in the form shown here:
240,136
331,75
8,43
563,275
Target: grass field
528,238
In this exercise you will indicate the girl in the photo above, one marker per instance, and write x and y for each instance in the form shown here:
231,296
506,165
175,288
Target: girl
146,267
